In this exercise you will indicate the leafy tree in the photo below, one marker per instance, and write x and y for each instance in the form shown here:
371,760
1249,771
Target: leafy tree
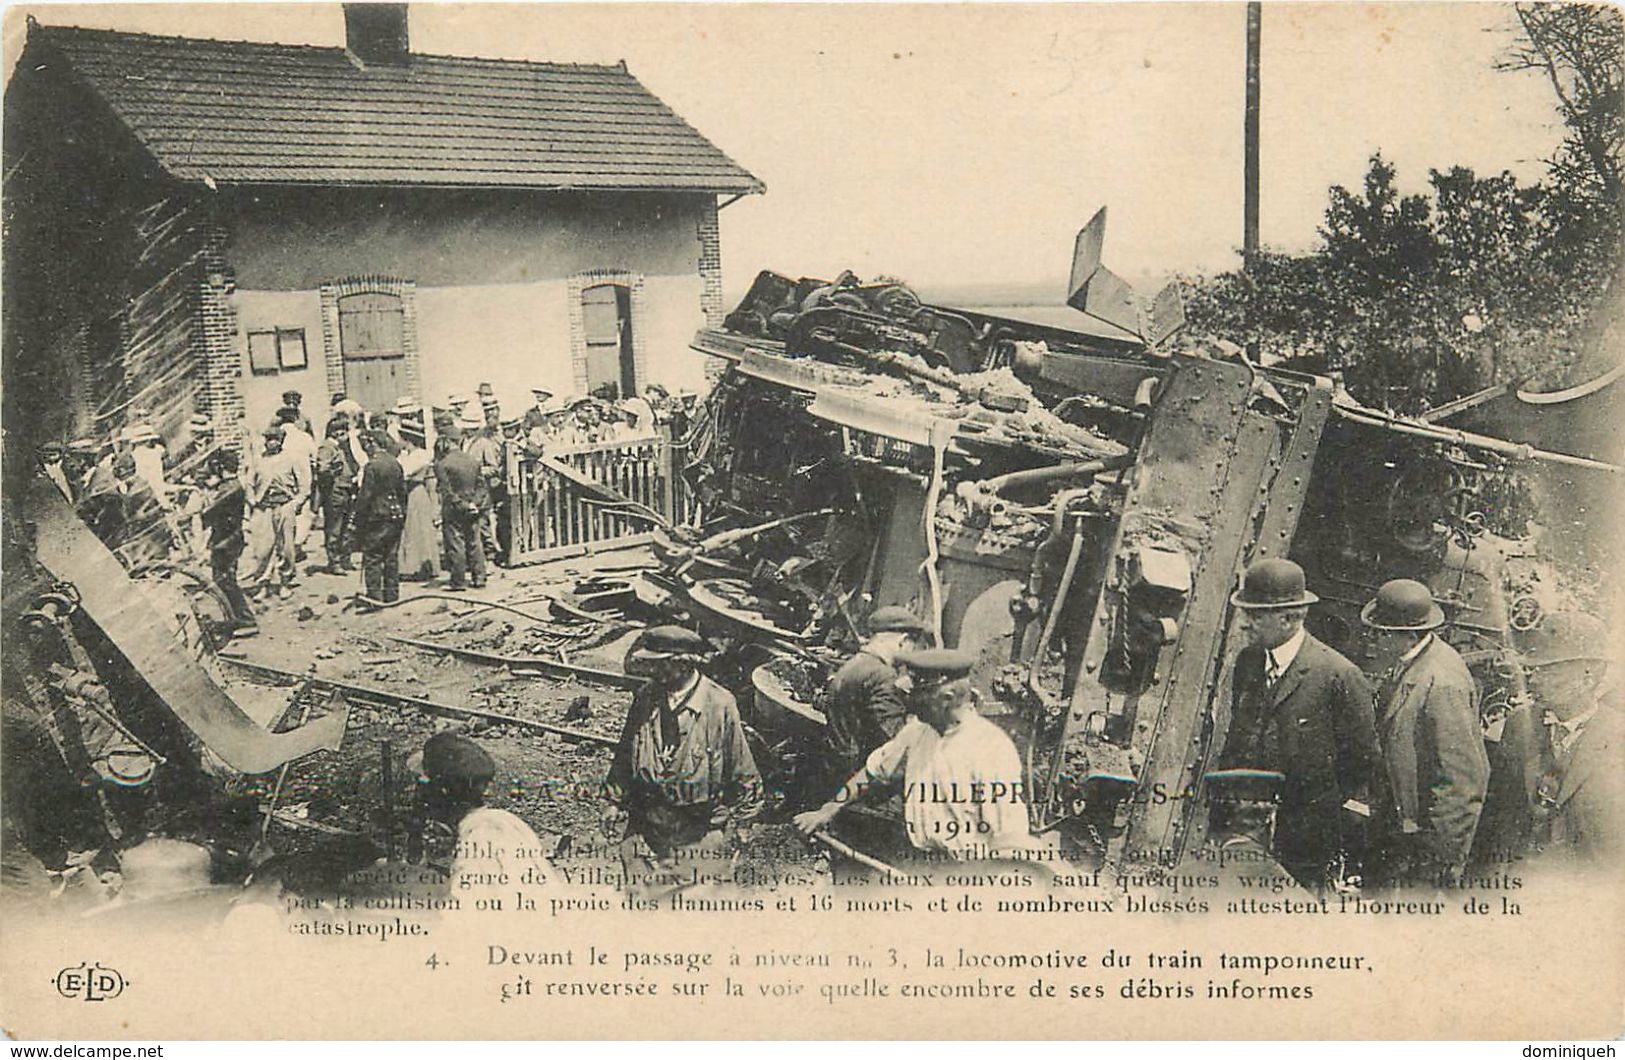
1420,299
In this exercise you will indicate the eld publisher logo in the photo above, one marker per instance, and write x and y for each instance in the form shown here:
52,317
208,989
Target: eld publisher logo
93,983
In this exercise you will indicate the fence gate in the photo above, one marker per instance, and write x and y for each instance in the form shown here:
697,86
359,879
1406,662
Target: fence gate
551,517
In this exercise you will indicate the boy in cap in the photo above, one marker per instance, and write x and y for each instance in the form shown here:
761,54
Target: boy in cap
682,772
1300,709
485,842
1432,743
1580,797
863,705
482,440
963,792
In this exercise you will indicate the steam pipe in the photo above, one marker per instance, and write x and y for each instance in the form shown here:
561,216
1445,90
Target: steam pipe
1037,475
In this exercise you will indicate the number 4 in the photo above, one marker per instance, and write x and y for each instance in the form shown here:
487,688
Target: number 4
433,962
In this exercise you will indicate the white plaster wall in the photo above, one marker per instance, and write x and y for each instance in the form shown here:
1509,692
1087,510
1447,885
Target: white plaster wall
262,394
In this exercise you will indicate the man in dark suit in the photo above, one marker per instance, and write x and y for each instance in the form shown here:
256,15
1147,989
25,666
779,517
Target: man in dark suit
1580,799
1432,741
464,501
379,516
1300,709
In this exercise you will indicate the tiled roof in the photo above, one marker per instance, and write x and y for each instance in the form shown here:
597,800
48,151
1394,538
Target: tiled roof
249,113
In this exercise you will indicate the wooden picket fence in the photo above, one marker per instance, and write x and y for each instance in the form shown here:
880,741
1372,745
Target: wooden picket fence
551,517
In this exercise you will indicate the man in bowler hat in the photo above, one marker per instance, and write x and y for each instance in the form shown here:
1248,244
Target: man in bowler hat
1432,744
1300,709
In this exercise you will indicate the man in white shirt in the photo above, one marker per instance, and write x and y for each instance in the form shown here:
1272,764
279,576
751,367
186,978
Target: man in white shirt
961,777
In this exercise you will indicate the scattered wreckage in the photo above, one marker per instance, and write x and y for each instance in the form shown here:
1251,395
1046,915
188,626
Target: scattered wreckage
1076,506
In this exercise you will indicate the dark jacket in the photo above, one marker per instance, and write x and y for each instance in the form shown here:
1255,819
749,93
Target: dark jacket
864,708
461,482
381,500
1433,751
223,518
1587,810
1315,726
335,473
711,770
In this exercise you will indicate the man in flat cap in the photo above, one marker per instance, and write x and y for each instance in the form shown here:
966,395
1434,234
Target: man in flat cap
276,490
464,501
1300,709
379,517
683,771
961,777
293,399
1580,798
486,844
864,706
1432,743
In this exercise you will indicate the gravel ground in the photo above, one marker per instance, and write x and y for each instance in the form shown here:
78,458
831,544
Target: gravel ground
549,780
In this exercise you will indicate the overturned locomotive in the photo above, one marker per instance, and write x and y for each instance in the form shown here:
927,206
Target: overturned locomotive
1076,507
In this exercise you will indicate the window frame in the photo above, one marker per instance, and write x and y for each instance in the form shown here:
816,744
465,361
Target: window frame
275,360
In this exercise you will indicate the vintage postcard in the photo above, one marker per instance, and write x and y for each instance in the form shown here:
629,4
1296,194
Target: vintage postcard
812,521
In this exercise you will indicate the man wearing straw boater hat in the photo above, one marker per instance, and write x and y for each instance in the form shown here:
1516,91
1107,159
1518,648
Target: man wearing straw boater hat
1432,744
1300,709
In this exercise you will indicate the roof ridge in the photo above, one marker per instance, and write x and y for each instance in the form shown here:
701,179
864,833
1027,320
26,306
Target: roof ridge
618,66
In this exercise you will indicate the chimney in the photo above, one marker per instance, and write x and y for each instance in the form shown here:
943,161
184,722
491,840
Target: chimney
376,33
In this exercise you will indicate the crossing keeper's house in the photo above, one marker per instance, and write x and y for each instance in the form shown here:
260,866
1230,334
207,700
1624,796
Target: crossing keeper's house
200,225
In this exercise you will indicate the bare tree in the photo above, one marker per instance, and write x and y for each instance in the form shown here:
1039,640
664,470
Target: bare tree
1581,50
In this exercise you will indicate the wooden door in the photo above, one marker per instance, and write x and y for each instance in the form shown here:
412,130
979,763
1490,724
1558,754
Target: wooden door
371,339
606,317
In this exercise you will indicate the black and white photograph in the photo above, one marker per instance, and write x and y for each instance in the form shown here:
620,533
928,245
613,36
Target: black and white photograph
812,521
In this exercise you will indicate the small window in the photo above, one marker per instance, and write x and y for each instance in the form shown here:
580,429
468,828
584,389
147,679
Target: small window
290,348
281,350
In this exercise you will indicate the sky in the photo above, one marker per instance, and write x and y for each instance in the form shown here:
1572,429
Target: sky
965,144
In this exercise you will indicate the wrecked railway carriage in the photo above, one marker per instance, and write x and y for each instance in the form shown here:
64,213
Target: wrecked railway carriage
1077,509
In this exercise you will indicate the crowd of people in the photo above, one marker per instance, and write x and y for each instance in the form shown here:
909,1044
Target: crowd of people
419,493
1323,774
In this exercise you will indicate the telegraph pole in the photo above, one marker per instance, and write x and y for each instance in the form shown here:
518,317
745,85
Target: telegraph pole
1249,220
1249,177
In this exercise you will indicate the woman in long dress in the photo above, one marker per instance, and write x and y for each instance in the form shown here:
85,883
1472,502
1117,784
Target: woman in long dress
419,552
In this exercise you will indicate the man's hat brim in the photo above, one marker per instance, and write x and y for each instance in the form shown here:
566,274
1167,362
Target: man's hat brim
1433,620
1273,605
